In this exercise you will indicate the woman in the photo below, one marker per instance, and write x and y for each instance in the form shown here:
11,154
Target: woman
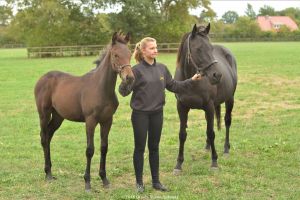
147,101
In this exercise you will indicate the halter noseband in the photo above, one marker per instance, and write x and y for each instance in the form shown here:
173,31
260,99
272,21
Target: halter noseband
121,67
189,58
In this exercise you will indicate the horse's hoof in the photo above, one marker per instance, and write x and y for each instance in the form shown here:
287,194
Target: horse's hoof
106,183
226,154
214,165
88,190
87,187
177,172
50,178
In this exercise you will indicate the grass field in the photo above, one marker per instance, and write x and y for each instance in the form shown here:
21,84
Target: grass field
264,160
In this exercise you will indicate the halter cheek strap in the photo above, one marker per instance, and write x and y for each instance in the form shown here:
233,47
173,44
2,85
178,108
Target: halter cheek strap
120,67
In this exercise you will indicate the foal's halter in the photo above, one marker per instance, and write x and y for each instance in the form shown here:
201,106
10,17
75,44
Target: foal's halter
121,67
200,70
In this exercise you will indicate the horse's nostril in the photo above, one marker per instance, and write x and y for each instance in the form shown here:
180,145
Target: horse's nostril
217,75
129,79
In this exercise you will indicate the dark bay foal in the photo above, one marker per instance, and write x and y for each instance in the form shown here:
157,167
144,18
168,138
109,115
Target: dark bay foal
89,98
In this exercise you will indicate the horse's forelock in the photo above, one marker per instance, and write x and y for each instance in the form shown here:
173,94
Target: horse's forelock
201,28
121,38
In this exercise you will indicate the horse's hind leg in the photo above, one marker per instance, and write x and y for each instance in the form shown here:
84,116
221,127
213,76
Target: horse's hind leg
104,131
47,131
229,105
183,115
45,115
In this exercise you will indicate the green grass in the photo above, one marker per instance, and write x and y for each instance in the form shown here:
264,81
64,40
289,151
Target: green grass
265,152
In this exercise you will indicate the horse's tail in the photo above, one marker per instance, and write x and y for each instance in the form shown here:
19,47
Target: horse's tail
218,115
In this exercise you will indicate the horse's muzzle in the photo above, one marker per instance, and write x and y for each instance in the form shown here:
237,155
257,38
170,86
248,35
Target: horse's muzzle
129,80
216,78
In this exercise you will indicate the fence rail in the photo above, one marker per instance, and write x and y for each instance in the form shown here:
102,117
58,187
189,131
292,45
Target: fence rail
89,50
12,46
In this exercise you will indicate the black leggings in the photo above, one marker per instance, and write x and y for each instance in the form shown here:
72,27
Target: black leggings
143,123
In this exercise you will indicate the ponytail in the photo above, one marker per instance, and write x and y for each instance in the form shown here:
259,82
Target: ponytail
138,54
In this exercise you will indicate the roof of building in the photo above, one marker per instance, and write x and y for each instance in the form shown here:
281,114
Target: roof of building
268,23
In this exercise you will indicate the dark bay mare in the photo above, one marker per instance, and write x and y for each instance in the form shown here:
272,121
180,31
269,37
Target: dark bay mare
218,84
89,98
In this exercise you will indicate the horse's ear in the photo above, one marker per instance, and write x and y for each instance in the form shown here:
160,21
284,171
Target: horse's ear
128,37
207,28
194,31
114,38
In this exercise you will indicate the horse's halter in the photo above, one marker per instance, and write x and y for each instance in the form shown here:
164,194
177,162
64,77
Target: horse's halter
189,58
119,67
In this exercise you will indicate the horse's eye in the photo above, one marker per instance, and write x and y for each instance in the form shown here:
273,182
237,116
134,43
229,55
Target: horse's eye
116,56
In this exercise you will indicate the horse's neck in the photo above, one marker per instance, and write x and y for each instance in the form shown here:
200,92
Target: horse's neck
106,77
188,70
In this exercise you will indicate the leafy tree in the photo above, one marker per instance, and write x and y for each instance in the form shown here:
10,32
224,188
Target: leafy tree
250,12
230,17
68,22
245,27
177,24
267,10
207,16
45,24
166,20
5,15
294,13
56,22
138,19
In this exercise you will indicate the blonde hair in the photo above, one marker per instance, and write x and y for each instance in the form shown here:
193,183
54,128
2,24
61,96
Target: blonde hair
138,54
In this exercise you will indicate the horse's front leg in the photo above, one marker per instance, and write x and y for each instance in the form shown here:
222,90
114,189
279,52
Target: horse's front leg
209,114
183,116
91,123
104,131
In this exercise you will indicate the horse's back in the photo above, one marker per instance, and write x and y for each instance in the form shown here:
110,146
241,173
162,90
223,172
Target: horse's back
46,86
48,81
222,52
228,67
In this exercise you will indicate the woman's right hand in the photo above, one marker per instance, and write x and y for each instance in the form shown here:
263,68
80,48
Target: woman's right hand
197,77
125,89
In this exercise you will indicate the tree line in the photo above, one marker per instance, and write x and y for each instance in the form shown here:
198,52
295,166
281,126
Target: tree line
234,27
84,22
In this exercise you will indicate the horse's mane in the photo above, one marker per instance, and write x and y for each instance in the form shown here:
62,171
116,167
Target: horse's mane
181,52
119,38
